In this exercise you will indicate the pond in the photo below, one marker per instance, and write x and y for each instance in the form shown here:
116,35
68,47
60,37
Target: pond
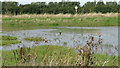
70,37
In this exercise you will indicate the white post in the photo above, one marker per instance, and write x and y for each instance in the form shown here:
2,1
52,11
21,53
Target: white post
76,8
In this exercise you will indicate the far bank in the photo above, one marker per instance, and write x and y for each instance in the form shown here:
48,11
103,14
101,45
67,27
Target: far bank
59,20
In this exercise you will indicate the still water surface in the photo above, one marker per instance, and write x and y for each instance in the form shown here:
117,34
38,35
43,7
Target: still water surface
71,37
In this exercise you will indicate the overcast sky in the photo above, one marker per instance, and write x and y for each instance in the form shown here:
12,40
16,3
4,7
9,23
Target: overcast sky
82,2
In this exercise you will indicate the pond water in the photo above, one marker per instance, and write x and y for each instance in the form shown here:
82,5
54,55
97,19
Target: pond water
70,37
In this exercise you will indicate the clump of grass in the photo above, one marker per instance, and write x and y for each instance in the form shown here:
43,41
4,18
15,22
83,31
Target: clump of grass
24,56
65,43
34,39
7,40
54,24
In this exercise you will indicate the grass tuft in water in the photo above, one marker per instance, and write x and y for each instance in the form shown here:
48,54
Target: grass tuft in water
34,39
7,40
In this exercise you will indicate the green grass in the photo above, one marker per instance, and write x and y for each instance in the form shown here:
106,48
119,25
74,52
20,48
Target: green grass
34,39
41,52
102,58
7,40
58,54
36,22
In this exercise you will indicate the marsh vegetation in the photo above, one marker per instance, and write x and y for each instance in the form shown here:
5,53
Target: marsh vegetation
34,39
63,44
49,55
7,40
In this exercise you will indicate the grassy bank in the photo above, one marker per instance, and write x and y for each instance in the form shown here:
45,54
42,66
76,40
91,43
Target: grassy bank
55,55
35,21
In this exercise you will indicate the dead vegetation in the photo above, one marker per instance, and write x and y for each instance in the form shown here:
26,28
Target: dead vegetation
63,15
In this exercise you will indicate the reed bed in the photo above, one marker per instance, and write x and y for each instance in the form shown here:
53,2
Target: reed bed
62,15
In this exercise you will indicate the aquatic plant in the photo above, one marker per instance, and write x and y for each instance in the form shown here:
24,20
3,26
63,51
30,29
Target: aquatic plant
34,39
7,40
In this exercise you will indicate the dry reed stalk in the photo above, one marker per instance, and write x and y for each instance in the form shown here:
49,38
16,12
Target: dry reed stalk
62,15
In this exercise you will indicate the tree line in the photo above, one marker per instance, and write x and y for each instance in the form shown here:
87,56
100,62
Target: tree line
58,7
